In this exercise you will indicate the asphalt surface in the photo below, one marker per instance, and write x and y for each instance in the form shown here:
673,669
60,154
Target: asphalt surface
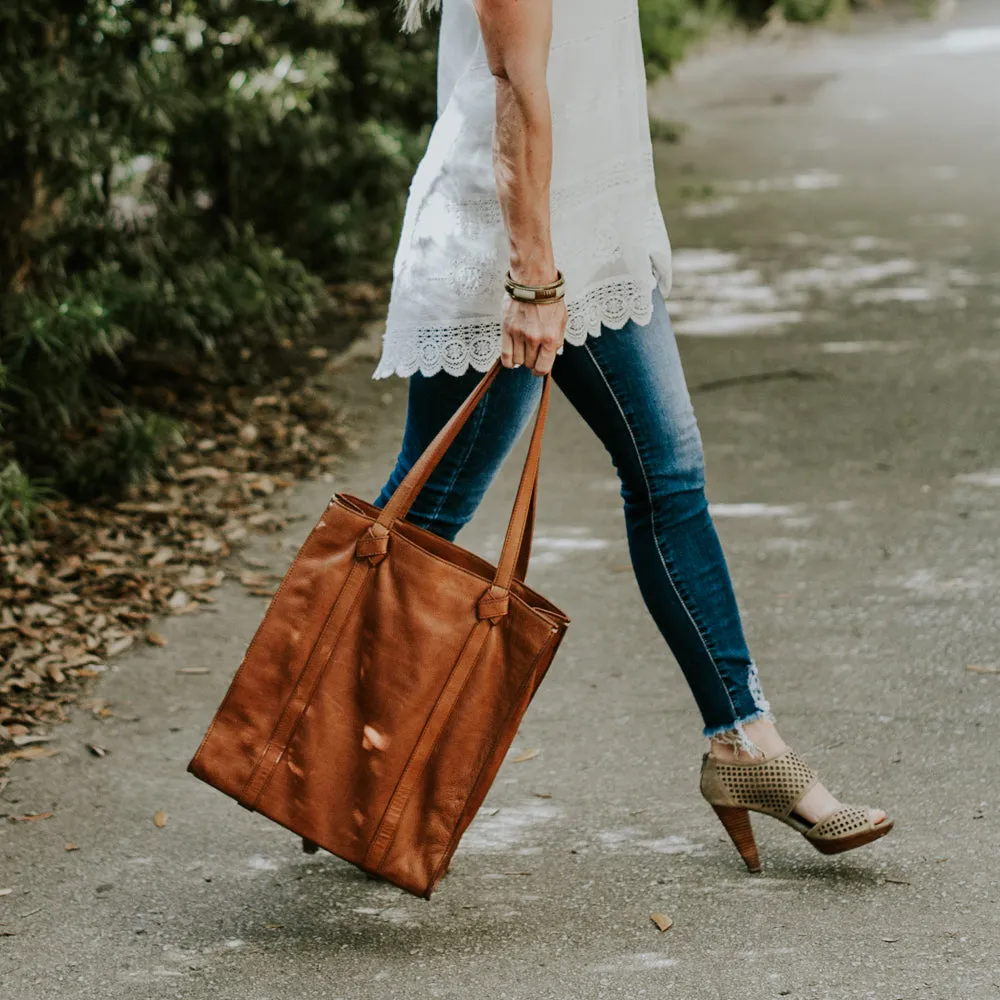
834,205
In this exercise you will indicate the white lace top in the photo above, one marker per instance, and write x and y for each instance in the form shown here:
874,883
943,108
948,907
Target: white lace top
608,234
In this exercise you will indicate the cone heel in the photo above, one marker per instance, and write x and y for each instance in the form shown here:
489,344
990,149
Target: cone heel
309,846
737,824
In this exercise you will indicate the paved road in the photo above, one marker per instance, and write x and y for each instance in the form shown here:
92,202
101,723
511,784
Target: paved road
834,206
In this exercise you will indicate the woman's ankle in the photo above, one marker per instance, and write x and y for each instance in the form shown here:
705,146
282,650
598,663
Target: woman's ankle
748,741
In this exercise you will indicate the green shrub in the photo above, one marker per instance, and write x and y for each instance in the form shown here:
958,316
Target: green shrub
806,10
21,501
180,181
669,26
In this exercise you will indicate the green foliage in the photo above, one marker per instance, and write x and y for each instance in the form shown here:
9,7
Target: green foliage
21,501
669,26
806,10
127,447
180,180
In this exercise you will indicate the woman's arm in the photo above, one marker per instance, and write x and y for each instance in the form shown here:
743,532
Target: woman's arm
516,35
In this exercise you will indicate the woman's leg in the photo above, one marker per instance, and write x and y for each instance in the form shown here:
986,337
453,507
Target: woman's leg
629,386
458,483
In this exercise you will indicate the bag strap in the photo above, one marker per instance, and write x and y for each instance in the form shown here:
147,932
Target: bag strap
516,550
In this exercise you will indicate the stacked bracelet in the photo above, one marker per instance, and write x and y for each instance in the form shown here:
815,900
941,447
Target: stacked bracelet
539,294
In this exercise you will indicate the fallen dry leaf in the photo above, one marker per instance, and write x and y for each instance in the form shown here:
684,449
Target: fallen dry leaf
70,846
120,645
977,669
178,600
95,577
193,670
160,819
5,892
249,433
97,751
31,817
28,753
542,795
156,639
204,472
526,755
661,921
23,741
161,557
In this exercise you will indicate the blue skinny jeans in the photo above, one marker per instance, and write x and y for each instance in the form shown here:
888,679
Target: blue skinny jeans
629,387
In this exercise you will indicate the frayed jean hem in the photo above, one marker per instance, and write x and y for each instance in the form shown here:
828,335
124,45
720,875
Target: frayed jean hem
734,735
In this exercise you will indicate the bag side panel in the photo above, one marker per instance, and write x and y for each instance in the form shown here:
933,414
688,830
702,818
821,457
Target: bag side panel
482,724
274,661
492,765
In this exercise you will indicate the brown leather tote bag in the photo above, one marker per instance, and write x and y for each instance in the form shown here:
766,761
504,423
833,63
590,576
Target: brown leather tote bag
387,680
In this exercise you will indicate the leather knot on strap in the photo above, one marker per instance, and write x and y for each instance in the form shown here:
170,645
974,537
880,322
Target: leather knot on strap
373,545
493,605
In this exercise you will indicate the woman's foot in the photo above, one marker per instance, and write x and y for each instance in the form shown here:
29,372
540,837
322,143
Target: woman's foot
816,803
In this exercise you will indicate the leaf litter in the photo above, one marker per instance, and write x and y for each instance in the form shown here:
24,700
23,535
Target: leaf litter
95,576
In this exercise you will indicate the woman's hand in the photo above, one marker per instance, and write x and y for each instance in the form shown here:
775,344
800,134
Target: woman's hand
532,333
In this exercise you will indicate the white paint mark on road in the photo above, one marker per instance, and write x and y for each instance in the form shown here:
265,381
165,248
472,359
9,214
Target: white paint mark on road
991,478
672,845
711,209
692,261
928,583
506,829
261,864
551,549
907,293
865,346
753,509
811,180
557,543
640,962
729,324
867,243
632,837
835,271
963,41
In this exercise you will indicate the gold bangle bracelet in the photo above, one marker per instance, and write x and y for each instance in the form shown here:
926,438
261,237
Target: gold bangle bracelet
551,292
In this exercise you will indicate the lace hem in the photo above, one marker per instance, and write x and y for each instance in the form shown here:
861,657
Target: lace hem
475,343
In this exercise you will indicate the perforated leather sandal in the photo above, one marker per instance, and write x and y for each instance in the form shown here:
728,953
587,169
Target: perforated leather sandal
775,786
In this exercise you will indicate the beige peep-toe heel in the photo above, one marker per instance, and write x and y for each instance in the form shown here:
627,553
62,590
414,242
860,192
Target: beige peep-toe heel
775,786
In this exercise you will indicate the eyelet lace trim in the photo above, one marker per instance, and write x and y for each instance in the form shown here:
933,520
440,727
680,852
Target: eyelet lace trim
455,347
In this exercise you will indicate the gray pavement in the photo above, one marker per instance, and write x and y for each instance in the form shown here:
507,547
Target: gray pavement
834,206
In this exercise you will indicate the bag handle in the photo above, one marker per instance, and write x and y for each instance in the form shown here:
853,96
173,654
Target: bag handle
516,550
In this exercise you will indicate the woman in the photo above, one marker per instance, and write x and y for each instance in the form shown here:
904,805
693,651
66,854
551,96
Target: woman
532,233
